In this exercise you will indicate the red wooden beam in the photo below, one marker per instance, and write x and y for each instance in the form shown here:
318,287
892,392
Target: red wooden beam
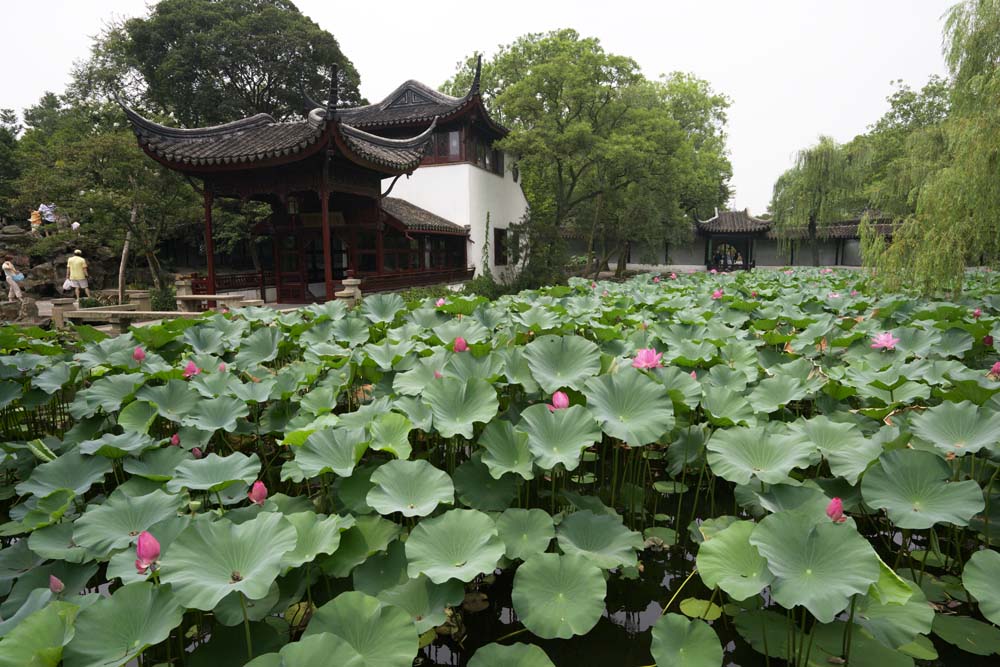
209,243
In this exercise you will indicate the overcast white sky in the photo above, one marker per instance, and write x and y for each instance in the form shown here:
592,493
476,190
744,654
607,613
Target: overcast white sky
794,69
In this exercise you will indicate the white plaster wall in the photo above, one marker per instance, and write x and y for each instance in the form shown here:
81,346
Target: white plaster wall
441,189
463,194
504,200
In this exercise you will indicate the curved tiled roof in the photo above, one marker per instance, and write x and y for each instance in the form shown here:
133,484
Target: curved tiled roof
244,142
415,218
734,222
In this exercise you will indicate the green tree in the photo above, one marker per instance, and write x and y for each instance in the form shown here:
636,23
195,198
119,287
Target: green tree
814,193
593,137
9,130
84,159
205,62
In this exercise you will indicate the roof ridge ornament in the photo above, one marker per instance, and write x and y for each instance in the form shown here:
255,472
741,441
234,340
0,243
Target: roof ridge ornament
476,79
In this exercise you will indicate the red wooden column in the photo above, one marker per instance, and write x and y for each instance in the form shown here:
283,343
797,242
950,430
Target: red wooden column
324,202
209,243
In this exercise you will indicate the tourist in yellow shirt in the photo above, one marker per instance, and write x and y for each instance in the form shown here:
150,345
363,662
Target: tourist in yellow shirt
76,273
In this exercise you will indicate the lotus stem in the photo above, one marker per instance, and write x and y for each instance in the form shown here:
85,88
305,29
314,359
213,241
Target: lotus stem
511,634
678,592
846,650
246,626
809,646
986,513
767,652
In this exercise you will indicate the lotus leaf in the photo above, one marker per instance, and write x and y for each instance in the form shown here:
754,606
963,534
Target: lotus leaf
38,641
559,437
215,473
741,454
816,565
413,488
211,560
507,450
459,544
315,534
118,629
219,413
558,596
118,522
525,532
383,635
513,655
335,450
980,577
558,362
957,428
479,490
70,470
728,560
457,405
914,488
967,634
603,540
685,643
630,406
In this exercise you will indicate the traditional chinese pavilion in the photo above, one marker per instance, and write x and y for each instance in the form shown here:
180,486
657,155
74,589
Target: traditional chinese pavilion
323,179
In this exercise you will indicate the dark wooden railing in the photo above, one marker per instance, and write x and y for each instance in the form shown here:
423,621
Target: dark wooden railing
372,283
404,279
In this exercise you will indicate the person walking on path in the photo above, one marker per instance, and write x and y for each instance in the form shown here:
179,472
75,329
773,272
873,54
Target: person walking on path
76,273
14,293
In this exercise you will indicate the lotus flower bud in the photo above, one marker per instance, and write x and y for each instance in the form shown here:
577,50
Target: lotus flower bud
437,375
560,401
55,584
257,493
196,452
835,510
977,313
191,369
717,294
988,340
175,440
147,550
460,344
440,302
222,368
673,276
139,354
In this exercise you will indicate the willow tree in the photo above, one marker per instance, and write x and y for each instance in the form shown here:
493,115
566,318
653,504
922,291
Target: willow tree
813,193
957,220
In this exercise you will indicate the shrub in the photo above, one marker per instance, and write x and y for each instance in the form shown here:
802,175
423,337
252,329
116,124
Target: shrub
163,299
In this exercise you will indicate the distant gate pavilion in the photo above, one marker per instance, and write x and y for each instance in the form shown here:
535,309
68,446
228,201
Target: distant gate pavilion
328,180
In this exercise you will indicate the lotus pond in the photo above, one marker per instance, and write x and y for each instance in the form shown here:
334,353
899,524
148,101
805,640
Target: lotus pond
770,468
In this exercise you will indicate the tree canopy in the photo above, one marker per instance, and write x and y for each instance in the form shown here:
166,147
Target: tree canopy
605,154
206,62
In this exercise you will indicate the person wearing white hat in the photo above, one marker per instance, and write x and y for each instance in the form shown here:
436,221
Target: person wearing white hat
76,273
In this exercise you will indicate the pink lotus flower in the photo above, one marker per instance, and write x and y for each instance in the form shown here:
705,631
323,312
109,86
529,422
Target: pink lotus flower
694,376
191,370
656,279
825,271
788,272
713,271
884,341
437,375
196,452
593,285
854,292
560,401
835,510
147,550
988,340
139,354
995,371
833,295
717,294
604,293
222,368
753,294
440,302
55,585
647,358
977,313
673,276
257,493
460,344
175,440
